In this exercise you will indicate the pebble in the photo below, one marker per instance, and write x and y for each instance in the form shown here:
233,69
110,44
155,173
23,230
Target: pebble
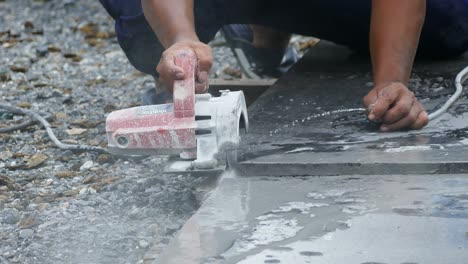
87,165
104,158
9,216
26,233
4,74
143,243
42,51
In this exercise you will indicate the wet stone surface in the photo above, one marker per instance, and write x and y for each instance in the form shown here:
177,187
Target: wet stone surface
336,219
311,122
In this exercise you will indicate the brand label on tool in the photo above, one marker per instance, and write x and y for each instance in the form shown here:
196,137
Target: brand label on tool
154,109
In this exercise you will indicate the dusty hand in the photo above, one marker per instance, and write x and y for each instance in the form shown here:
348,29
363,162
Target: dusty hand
169,72
396,107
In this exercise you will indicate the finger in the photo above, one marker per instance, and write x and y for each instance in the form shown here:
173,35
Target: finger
386,98
369,100
421,121
400,110
205,58
404,123
164,83
168,70
201,85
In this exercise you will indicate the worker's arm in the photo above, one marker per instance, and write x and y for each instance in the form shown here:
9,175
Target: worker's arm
394,37
173,23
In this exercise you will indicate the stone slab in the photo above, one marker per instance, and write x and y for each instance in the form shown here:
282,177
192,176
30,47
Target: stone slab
337,219
309,122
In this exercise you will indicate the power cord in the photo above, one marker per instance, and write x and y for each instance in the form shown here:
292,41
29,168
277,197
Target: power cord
42,117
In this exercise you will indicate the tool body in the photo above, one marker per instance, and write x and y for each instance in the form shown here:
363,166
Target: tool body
200,128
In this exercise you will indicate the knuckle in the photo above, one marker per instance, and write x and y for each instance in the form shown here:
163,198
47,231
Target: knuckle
400,86
159,68
403,110
412,118
387,98
365,101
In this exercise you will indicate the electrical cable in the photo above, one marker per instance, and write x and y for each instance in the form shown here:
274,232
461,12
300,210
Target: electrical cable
459,80
36,117
50,132
24,124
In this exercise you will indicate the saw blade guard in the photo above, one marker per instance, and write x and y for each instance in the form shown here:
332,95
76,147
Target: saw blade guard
219,121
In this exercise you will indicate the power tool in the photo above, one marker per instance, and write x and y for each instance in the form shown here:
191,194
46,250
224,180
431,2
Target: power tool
201,130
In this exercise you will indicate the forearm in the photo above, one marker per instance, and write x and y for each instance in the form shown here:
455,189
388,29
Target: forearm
171,20
394,36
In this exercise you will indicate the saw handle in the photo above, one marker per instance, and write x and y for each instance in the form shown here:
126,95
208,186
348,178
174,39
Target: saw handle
184,90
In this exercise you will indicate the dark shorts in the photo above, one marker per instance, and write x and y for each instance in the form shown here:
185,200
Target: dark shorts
445,32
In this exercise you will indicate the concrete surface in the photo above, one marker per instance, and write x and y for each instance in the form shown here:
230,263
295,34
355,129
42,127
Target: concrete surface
336,219
387,198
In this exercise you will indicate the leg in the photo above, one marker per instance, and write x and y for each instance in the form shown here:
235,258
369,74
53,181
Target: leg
445,32
268,38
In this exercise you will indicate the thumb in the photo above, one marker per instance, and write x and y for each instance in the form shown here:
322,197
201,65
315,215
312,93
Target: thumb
370,99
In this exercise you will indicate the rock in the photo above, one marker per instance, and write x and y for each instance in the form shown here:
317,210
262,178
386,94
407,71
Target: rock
134,213
105,34
36,161
26,233
85,191
89,179
9,216
24,105
109,108
143,243
87,165
8,182
73,56
88,29
104,158
60,115
76,131
71,192
5,155
20,66
42,51
236,73
43,206
85,123
28,149
29,221
52,48
4,74
100,183
3,200
65,174
28,25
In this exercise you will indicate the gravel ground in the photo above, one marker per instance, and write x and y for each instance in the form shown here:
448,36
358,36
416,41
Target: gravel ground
62,57
56,206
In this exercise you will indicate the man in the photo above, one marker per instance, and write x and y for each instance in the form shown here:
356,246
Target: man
151,32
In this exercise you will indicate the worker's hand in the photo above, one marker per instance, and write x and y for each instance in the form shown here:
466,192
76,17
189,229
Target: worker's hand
396,107
169,72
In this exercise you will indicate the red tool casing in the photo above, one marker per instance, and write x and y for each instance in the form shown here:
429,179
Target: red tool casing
159,129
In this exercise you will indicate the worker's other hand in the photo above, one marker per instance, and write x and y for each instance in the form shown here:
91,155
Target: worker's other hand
395,107
169,72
